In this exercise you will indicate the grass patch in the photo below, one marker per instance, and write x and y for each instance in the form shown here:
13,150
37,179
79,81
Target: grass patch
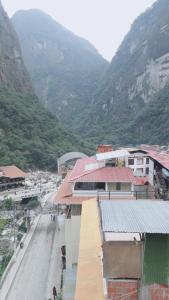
3,223
4,263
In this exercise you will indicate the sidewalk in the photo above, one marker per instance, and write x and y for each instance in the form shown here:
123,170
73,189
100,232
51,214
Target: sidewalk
15,262
55,271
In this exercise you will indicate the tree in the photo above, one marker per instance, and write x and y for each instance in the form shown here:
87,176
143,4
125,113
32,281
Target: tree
9,203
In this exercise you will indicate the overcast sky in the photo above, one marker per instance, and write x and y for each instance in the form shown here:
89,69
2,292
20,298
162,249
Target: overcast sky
103,22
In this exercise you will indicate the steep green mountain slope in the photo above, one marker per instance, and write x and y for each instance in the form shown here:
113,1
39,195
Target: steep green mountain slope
29,135
65,69
138,72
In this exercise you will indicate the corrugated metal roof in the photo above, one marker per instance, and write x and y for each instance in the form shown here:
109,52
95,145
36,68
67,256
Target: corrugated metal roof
112,154
156,259
135,216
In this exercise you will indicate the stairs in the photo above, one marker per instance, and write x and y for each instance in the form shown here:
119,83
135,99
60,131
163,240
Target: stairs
161,184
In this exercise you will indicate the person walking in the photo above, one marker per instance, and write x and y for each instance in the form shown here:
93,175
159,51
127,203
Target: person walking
54,293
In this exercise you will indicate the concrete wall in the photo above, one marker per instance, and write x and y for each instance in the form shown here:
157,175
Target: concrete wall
141,191
122,259
72,238
151,172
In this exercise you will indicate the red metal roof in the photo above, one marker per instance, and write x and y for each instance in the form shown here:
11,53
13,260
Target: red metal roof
161,157
107,174
12,172
141,180
80,167
65,189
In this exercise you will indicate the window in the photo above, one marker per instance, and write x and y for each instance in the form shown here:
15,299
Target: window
89,186
131,161
147,171
147,160
118,186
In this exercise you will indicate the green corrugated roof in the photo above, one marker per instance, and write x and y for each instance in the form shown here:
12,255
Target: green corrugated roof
156,259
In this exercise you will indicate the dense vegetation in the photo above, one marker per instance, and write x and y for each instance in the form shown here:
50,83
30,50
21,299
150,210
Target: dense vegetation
125,106
29,136
130,105
65,68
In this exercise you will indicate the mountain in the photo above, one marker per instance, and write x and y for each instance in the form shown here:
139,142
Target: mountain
29,135
134,87
65,69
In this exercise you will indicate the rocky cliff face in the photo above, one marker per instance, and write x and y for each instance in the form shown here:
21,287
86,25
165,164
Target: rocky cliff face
29,135
138,72
12,70
65,69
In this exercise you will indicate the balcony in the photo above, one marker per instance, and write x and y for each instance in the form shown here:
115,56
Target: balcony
104,194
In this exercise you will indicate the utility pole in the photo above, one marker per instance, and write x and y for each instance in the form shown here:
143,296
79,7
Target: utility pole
14,225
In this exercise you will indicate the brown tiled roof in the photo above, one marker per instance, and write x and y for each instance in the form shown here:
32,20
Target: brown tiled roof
12,172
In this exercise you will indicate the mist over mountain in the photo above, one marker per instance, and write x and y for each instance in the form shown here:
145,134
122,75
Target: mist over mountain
65,69
29,135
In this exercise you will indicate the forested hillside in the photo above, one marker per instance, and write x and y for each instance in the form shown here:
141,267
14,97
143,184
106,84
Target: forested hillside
133,89
65,68
29,135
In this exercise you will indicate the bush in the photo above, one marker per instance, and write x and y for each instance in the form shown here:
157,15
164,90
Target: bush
22,227
33,203
9,203
4,263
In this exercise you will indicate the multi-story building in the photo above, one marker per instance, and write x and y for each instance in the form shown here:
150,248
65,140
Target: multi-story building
123,252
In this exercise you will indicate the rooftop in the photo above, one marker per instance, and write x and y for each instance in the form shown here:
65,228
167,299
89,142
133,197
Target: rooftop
80,167
12,172
112,154
107,174
143,216
89,284
161,157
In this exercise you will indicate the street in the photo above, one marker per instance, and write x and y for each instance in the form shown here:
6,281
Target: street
40,269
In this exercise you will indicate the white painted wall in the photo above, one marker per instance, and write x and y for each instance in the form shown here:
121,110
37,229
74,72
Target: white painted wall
138,168
151,172
72,239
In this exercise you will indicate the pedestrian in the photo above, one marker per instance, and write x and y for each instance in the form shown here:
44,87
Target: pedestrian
51,217
54,293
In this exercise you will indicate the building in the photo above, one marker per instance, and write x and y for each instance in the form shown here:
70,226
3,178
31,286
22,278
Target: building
104,148
11,177
101,177
123,251
138,161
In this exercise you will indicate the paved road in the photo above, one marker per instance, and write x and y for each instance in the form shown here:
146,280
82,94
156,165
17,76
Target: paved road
41,267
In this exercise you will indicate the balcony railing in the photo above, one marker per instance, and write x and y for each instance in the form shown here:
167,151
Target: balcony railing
95,193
